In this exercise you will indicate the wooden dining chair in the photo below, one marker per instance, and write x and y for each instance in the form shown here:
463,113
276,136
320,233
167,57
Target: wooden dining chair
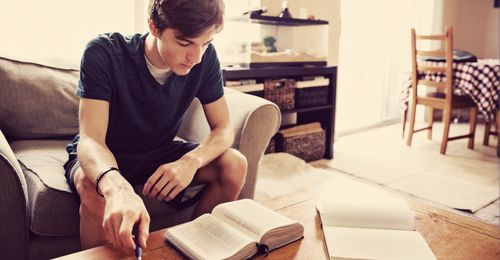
487,128
443,99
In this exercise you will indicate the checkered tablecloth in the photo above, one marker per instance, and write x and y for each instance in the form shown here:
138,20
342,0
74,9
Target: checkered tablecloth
480,80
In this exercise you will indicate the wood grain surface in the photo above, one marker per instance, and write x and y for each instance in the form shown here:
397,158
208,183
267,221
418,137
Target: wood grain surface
450,236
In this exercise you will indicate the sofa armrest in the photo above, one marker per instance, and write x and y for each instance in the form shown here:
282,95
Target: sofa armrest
14,220
254,120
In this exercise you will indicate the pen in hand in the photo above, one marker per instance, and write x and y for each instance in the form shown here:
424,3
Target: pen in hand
138,249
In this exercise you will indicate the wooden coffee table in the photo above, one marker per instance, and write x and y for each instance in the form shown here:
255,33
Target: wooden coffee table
450,236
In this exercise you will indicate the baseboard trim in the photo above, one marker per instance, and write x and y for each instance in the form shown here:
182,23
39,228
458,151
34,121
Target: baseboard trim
356,130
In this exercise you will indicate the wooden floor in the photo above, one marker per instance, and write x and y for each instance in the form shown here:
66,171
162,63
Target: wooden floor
421,150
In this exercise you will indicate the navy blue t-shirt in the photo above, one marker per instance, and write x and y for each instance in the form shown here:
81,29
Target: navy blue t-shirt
143,115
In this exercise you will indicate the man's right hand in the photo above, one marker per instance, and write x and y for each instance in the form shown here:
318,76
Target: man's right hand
124,209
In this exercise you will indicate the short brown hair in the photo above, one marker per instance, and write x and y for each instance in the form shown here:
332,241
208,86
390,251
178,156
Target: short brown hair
189,17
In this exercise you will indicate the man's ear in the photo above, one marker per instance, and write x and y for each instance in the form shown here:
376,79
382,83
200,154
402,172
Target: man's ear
152,28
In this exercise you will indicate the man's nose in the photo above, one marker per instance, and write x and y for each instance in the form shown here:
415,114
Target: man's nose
194,56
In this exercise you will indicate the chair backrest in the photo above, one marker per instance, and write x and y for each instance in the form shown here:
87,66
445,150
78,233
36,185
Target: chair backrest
443,83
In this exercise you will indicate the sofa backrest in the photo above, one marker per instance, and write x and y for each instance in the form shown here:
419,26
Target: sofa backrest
37,101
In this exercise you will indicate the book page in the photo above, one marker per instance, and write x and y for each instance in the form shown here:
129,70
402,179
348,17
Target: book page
250,217
355,243
375,212
209,238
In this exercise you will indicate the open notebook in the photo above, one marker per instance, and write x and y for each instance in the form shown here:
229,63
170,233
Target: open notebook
369,226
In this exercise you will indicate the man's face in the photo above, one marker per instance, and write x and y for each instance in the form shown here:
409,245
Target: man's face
181,53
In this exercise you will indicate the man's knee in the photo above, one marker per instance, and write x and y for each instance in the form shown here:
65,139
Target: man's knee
234,165
91,202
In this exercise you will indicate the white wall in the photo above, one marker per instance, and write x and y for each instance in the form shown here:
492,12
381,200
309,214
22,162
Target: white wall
476,26
374,57
60,28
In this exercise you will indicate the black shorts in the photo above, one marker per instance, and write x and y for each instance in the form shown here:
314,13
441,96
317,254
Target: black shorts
137,169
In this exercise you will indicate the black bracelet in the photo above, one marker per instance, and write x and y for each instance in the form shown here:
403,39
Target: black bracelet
99,177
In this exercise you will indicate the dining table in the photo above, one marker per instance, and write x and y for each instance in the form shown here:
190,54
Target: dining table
479,79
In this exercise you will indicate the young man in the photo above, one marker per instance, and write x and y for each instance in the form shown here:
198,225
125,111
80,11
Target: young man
134,92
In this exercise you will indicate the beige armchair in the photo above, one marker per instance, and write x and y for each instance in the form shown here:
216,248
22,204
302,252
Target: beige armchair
38,117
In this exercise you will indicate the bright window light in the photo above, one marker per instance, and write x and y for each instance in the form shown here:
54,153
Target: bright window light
61,28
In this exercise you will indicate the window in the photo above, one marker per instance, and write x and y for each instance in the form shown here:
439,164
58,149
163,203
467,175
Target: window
61,28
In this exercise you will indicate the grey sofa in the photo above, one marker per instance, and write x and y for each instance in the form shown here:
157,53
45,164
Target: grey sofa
38,117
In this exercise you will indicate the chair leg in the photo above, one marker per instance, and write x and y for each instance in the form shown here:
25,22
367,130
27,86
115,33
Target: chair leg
413,111
430,121
487,128
498,148
405,116
497,127
497,121
472,131
486,137
446,130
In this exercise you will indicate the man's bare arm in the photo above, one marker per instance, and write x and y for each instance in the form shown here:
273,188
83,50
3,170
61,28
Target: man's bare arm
93,154
123,207
221,136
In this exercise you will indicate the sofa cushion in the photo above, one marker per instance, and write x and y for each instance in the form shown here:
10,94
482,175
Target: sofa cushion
53,208
37,101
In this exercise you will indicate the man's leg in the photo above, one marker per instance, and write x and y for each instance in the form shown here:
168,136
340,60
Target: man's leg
91,212
224,178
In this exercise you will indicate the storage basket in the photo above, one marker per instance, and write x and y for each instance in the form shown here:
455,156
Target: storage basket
271,147
310,97
281,92
304,141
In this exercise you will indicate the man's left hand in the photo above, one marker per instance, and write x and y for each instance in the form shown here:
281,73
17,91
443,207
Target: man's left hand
170,179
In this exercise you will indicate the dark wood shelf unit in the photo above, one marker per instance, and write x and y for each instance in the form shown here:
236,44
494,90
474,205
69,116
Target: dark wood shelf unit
274,20
306,109
256,65
325,114
230,73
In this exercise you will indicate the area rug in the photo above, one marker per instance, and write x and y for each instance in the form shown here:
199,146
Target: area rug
459,188
283,173
462,179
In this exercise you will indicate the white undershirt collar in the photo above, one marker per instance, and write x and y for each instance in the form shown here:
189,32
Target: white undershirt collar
160,75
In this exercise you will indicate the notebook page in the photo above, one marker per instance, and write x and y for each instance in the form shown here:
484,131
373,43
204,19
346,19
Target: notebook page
250,217
209,238
380,213
355,243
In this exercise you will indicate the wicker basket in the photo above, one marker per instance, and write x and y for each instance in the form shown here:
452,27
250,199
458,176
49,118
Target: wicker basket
281,92
304,141
271,147
310,97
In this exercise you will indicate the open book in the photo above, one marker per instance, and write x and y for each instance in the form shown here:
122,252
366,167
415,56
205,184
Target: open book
235,230
372,227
